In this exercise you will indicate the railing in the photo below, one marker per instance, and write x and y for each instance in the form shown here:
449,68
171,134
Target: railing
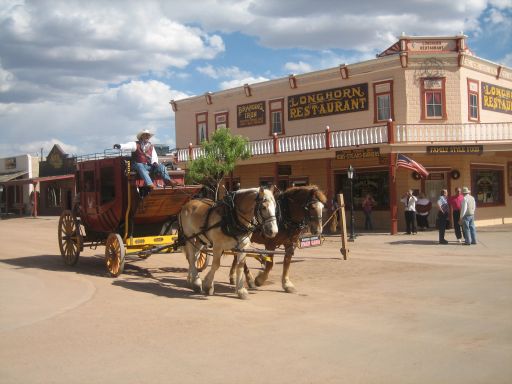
383,134
431,133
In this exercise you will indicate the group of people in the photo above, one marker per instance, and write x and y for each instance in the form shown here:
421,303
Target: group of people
461,204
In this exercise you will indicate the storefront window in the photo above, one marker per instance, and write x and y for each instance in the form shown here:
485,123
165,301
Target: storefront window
487,186
374,183
53,197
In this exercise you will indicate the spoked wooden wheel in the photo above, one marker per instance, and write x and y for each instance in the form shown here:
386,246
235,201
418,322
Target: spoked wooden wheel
114,254
70,239
202,260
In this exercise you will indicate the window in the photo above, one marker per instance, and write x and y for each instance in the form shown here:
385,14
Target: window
433,98
107,182
88,183
487,185
276,112
375,183
221,120
201,127
473,113
383,101
53,197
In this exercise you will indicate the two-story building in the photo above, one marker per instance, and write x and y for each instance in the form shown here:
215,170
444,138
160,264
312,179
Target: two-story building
428,98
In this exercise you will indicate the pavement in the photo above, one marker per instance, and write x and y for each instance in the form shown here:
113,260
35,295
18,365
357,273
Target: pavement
400,309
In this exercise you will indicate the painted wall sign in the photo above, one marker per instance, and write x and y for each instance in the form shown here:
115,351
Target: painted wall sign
353,98
455,149
367,153
250,114
432,45
496,99
10,163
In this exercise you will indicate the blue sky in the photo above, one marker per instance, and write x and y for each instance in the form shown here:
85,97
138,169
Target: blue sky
85,75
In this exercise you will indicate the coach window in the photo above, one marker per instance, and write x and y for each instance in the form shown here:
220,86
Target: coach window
383,101
433,104
107,184
201,127
221,120
473,112
276,111
487,184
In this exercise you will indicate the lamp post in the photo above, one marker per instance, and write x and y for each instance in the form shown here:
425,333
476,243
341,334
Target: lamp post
350,175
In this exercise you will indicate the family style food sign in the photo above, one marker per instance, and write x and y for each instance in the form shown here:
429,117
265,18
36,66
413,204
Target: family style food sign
353,98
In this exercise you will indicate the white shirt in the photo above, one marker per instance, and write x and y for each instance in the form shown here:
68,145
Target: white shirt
410,203
468,206
132,146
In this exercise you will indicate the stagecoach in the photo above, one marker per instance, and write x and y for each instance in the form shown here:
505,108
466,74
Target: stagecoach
112,208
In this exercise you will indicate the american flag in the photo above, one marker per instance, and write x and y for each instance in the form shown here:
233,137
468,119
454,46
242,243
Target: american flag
405,162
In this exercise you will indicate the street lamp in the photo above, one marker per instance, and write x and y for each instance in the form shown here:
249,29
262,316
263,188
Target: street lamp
350,175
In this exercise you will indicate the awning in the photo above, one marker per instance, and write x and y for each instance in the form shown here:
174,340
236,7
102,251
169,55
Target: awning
11,176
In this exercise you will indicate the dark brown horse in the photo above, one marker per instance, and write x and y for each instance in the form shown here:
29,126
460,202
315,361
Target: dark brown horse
300,209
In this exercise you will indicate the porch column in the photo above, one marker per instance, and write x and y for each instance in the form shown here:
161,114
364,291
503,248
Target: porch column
392,194
330,192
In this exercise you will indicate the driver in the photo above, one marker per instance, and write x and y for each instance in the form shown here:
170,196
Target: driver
145,159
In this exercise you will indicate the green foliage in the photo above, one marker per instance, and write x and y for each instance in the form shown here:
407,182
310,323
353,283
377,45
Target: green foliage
219,158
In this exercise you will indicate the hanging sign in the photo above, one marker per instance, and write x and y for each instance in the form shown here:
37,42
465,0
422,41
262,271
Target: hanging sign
352,154
455,149
353,98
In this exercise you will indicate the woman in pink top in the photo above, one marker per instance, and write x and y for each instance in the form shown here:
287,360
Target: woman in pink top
455,202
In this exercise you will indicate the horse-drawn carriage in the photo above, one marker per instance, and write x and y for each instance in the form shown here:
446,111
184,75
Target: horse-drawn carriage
113,208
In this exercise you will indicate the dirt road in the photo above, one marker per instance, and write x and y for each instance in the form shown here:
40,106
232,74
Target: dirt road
401,309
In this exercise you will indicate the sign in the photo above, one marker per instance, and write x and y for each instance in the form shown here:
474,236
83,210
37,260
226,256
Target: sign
250,114
353,154
310,241
496,99
455,150
432,45
353,98
10,163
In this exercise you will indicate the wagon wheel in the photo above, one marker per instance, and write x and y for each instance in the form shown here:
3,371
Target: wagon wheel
202,260
70,239
114,254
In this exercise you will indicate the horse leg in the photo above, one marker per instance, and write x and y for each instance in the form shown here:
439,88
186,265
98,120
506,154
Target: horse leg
240,289
208,283
232,271
193,279
287,283
263,275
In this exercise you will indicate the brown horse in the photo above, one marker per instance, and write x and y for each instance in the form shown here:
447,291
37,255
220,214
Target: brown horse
300,209
225,225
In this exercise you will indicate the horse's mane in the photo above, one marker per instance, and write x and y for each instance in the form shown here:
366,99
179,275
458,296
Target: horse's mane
303,193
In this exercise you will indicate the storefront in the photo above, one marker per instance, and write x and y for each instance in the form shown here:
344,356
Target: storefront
428,98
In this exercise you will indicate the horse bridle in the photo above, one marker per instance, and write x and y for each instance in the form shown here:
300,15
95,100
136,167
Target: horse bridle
307,214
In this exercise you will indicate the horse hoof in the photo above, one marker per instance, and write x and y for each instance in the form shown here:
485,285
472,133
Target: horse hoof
231,280
197,286
259,280
290,289
208,290
243,294
251,284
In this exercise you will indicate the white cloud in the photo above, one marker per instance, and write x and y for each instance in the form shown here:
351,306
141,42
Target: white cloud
241,81
297,68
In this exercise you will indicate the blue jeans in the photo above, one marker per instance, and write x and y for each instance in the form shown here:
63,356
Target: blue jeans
144,169
468,226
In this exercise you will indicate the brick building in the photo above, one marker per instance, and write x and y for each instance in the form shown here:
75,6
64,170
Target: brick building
429,98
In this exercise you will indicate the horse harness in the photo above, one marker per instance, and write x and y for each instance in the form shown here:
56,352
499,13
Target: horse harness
229,223
284,217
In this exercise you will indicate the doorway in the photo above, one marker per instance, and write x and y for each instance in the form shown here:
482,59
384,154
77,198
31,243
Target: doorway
433,185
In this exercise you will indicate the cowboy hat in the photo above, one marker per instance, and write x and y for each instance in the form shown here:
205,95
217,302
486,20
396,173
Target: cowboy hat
465,190
144,132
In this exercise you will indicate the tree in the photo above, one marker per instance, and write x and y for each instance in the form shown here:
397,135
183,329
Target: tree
218,158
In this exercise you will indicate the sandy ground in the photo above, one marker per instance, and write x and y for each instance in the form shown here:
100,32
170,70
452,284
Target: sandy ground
401,309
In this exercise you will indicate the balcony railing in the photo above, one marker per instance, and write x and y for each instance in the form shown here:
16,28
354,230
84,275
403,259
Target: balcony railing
383,134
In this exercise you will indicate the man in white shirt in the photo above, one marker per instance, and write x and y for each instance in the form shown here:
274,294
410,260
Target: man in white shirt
467,217
409,201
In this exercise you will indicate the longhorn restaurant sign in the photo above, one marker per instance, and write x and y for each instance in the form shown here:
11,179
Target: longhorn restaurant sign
353,98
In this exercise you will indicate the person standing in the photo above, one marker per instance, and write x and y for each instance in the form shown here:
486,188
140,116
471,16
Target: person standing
368,204
443,215
409,201
467,217
145,159
455,203
423,207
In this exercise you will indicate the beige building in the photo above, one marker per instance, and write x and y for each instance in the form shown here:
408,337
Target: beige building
428,98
